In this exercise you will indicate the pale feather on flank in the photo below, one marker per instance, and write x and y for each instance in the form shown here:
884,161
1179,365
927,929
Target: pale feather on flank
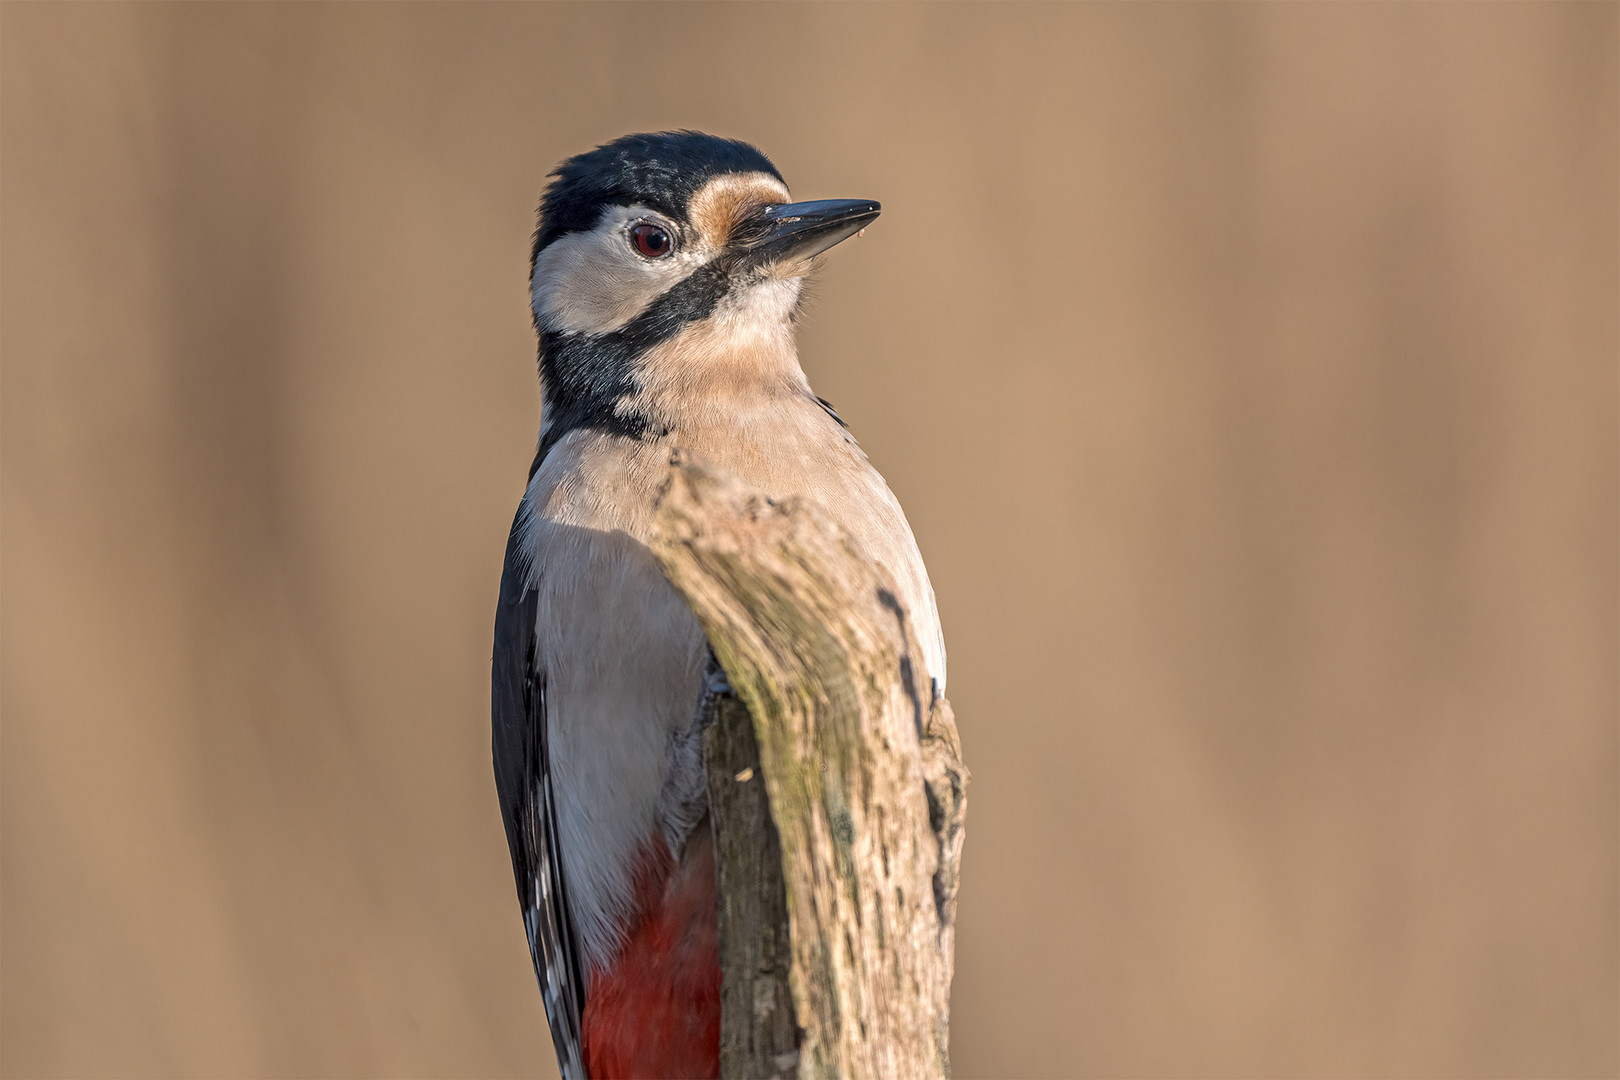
624,674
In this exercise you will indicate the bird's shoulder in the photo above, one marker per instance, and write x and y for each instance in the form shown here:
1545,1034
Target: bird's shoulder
604,479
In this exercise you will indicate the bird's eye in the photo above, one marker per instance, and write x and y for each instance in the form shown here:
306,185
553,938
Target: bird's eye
651,240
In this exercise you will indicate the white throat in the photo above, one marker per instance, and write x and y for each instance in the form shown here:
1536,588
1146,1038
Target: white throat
729,368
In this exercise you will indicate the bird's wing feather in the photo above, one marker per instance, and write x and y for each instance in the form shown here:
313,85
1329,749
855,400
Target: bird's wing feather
522,779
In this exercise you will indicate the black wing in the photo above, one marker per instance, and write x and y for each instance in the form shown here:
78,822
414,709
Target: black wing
523,781
826,407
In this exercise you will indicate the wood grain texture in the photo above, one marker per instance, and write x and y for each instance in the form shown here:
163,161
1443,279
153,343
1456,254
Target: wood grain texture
862,775
759,1030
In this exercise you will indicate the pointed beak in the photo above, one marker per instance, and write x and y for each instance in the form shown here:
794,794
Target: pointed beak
800,230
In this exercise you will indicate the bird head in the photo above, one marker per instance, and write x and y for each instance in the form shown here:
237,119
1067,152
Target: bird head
668,227
677,240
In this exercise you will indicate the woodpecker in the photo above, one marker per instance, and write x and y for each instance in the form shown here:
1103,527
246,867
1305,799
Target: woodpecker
665,281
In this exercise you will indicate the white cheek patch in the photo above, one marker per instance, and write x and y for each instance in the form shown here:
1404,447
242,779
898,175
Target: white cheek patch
593,283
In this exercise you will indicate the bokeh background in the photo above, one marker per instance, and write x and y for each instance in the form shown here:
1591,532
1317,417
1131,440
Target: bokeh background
1249,374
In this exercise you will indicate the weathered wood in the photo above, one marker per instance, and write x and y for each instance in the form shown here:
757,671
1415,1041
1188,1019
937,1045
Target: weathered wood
759,1032
861,776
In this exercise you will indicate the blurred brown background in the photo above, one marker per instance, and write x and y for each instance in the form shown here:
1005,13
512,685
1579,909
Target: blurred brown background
1249,374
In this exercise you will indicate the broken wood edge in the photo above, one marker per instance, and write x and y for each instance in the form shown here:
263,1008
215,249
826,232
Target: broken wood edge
825,973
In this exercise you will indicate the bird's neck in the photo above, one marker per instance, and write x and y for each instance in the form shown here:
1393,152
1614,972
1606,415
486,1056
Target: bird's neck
738,364
719,370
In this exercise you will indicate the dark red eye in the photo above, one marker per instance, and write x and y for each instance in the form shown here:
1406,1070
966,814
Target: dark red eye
651,240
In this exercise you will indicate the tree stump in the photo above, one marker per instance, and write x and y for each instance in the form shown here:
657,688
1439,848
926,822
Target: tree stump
836,791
